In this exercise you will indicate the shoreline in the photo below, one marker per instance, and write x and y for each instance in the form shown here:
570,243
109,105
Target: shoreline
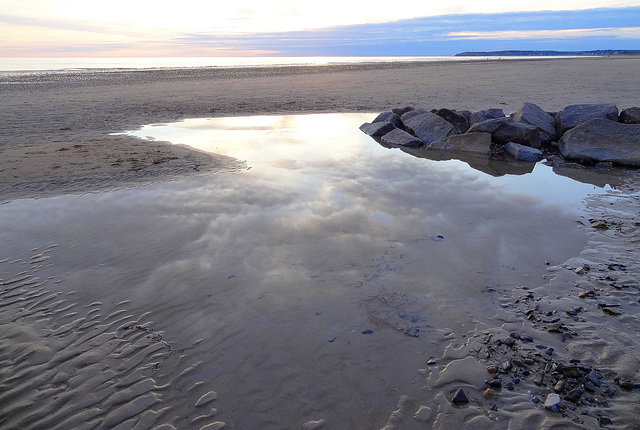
67,109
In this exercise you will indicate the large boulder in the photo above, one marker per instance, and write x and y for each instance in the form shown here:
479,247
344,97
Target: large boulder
484,115
574,115
523,153
630,116
389,117
476,143
401,138
534,115
505,130
457,119
427,126
602,140
377,129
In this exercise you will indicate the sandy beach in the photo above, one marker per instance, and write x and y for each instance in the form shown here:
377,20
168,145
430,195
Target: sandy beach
356,291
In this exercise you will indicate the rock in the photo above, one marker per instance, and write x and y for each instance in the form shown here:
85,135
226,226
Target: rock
553,402
602,140
604,421
389,117
493,368
402,111
630,116
506,366
484,115
574,395
377,129
523,153
460,397
427,126
401,138
488,393
626,384
559,387
532,114
458,120
611,311
476,143
432,361
538,378
505,130
382,117
574,115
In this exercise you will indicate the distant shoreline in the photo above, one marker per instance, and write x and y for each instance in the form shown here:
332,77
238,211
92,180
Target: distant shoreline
519,53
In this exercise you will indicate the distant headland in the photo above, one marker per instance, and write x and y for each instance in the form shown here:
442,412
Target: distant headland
514,53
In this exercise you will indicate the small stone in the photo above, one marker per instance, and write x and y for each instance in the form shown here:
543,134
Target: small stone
549,351
538,378
571,312
554,327
493,368
431,361
603,421
488,393
509,341
626,384
494,383
527,339
590,386
574,395
529,361
460,397
367,331
583,294
507,365
553,402
594,378
559,387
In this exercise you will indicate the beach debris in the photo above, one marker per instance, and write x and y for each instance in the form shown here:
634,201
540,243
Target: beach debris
459,397
367,331
431,361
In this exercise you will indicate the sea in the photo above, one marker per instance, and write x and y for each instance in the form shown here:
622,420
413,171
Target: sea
14,66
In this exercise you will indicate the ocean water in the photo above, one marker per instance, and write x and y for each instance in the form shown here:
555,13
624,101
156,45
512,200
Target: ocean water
31,65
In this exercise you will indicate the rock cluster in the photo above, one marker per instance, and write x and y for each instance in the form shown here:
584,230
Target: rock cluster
586,133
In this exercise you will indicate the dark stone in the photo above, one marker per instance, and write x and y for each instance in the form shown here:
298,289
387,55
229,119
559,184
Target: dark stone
574,395
484,115
427,126
602,140
475,143
538,378
574,115
494,383
402,111
377,129
604,421
401,138
505,130
590,386
460,397
523,153
509,341
383,117
532,114
458,120
630,116
626,384
594,378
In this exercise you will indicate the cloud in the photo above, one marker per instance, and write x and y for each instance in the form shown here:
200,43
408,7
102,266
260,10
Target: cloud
622,33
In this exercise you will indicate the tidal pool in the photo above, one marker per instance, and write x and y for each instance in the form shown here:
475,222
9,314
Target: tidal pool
312,285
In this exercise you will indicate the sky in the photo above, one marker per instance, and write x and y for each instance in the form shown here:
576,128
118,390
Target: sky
188,28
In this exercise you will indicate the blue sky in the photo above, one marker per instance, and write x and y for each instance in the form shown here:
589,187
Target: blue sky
295,28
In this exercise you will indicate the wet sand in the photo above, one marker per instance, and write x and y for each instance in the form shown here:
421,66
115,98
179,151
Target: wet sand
129,310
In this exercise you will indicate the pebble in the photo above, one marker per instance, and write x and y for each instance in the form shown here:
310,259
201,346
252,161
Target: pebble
431,361
574,395
509,341
553,402
538,378
494,383
603,421
493,368
549,351
559,387
507,365
589,386
594,378
313,425
626,384
488,393
460,397
611,311
367,331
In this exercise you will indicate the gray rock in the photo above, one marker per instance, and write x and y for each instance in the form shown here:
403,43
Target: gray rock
377,129
532,114
402,111
457,119
523,153
574,115
630,116
389,117
476,143
600,140
484,115
427,126
505,130
401,138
